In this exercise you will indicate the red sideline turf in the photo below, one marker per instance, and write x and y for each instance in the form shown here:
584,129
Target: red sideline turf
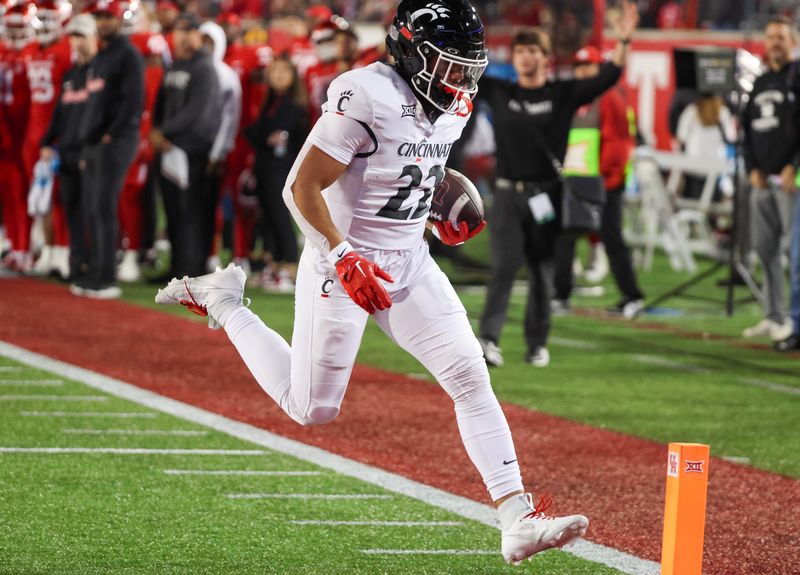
407,426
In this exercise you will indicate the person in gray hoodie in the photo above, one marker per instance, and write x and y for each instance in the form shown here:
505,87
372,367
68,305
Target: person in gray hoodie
187,116
230,110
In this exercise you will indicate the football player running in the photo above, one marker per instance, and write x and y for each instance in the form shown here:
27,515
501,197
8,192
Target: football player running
360,191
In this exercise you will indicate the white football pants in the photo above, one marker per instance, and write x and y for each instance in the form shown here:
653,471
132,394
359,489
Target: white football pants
309,379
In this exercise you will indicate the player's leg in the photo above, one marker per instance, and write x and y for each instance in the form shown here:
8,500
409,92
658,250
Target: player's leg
506,236
428,320
308,379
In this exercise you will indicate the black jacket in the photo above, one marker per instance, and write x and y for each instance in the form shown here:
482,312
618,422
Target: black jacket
64,130
772,121
517,112
116,92
187,109
278,113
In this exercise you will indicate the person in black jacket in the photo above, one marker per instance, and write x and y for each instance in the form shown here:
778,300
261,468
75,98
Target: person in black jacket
64,137
524,222
771,125
277,136
187,117
110,131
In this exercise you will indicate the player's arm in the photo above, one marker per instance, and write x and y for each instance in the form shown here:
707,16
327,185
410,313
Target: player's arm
358,276
317,172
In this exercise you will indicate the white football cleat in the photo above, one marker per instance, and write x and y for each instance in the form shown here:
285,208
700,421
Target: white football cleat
536,532
198,294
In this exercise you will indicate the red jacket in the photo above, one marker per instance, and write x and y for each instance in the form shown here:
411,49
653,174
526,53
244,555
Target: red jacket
616,140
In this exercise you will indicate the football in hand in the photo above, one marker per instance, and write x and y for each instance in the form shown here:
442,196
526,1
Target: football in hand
456,199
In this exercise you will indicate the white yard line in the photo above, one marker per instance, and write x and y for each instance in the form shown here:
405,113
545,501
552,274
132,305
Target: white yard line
428,552
663,362
309,496
178,432
573,343
393,482
32,382
334,523
10,368
120,414
247,472
771,385
131,451
53,398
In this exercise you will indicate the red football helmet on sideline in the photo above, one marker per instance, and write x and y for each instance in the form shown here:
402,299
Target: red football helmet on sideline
322,37
51,14
19,20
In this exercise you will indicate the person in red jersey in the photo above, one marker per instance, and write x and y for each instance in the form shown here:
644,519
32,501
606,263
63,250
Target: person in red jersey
167,14
302,51
328,67
153,48
14,113
50,57
249,63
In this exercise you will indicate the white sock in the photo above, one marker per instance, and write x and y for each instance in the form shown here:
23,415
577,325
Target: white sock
267,355
484,429
513,508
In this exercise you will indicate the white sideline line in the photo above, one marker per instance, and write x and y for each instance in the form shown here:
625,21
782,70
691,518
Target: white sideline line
241,472
663,362
53,398
573,343
393,482
131,451
122,414
773,386
33,382
736,459
133,432
379,523
309,496
428,552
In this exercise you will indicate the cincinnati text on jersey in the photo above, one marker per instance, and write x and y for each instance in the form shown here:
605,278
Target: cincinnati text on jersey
424,150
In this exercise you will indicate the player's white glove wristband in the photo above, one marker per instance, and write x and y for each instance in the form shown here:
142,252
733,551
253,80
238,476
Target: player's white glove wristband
339,252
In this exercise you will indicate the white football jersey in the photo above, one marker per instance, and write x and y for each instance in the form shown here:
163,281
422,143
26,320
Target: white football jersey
373,122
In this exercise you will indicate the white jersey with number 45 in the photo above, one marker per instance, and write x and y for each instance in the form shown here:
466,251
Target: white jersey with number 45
374,123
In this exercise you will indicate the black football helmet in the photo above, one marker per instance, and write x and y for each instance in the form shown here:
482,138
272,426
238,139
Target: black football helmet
438,47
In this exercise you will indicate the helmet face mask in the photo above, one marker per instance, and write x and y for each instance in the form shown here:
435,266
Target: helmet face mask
439,49
448,81
19,23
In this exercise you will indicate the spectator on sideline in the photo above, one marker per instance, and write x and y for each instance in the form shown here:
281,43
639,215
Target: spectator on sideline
231,111
277,136
771,123
110,130
610,142
187,117
705,130
64,133
525,218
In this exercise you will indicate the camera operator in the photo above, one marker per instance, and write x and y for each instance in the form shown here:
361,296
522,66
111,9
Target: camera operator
772,139
524,221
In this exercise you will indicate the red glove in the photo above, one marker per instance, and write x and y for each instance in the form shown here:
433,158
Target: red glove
453,236
359,278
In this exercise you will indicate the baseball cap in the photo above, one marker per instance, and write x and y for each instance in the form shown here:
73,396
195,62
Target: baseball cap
82,25
111,7
167,5
319,12
229,18
188,21
587,55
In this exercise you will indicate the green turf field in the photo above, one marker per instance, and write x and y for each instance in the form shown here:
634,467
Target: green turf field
94,512
612,374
